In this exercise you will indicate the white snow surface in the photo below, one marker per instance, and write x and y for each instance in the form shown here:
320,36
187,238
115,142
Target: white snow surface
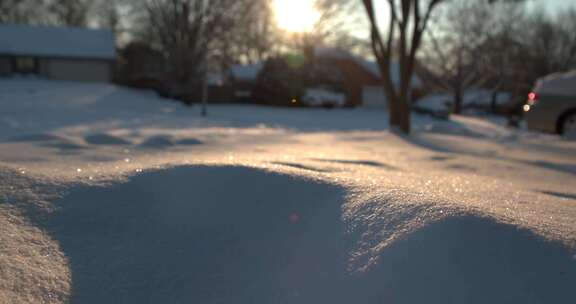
114,195
47,41
370,66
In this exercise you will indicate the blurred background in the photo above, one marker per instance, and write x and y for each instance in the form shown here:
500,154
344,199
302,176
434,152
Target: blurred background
475,56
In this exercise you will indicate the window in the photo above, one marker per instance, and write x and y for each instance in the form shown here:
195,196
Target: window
25,65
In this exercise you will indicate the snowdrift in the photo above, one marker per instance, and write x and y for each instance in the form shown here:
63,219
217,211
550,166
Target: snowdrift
201,234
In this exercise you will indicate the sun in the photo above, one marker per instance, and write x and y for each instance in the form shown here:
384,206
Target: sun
296,15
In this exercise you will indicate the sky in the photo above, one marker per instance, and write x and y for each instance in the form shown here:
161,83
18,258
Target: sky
555,5
551,6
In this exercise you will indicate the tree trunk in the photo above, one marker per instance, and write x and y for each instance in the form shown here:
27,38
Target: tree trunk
407,24
457,105
494,101
400,115
404,116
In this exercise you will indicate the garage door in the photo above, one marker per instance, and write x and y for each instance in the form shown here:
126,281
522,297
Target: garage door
373,97
80,70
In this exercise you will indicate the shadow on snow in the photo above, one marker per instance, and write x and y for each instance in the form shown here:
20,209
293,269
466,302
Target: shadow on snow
239,235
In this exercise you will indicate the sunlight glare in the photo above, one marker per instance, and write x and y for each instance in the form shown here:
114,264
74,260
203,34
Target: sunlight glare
296,15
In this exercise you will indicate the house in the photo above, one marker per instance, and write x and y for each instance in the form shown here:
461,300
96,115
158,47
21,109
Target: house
357,77
140,65
58,53
217,89
243,78
335,72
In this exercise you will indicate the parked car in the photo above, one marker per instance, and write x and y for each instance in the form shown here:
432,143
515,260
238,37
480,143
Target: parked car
551,106
322,97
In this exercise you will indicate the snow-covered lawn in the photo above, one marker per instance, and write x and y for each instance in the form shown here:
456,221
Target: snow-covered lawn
110,195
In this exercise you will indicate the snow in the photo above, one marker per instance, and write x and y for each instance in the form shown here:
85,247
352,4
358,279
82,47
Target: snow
287,243
246,72
215,78
373,68
261,204
44,41
166,140
105,139
335,53
370,66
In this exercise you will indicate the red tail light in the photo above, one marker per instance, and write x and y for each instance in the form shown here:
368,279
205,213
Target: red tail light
532,98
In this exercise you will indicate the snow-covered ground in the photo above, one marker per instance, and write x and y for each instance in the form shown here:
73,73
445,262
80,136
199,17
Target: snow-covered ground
111,195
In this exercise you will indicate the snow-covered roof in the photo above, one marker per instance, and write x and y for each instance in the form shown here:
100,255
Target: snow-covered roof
369,66
558,83
246,71
215,78
44,41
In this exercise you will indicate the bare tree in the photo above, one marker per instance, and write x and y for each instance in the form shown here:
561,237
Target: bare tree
252,39
190,33
408,19
551,41
463,37
46,12
504,54
21,12
338,19
256,34
523,45
109,15
69,12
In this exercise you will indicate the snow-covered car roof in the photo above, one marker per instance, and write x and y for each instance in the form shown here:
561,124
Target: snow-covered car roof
557,83
45,41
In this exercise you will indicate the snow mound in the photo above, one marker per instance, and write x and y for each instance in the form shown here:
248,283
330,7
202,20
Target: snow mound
189,142
37,137
203,235
361,162
105,139
239,235
64,145
48,140
163,141
470,259
158,142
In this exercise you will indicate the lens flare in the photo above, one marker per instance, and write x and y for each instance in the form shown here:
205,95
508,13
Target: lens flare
296,15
